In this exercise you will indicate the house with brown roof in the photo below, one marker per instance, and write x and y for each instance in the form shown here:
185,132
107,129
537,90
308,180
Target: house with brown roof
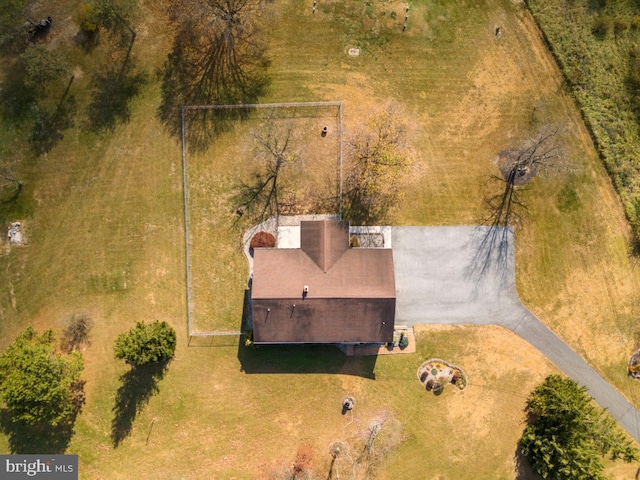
324,291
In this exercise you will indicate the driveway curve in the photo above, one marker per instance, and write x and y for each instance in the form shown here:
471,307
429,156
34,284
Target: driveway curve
466,275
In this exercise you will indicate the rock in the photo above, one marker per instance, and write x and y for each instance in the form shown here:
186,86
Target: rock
15,233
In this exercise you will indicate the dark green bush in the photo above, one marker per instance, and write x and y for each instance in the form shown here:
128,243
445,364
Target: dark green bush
146,343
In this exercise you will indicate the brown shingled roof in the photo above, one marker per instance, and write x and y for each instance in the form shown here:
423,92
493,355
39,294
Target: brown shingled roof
324,242
351,291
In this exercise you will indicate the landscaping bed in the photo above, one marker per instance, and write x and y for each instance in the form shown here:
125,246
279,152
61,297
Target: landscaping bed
435,373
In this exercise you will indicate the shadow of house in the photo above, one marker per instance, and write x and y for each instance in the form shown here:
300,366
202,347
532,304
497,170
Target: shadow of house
323,292
301,359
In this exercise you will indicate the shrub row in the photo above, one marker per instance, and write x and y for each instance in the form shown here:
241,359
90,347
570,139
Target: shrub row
597,51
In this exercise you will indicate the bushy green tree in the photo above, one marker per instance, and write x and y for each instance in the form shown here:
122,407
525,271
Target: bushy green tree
38,385
42,66
12,20
146,343
567,435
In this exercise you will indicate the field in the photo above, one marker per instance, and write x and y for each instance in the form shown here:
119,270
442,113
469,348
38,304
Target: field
104,221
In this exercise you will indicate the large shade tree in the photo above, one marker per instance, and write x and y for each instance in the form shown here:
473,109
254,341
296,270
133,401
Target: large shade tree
39,385
568,435
218,58
13,15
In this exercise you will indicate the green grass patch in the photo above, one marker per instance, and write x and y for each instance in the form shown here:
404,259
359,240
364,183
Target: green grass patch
596,48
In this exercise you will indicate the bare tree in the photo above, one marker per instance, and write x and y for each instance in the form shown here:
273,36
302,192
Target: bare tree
518,166
263,196
360,457
218,58
76,332
378,160
337,450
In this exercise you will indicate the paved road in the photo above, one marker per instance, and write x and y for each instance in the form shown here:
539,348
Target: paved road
458,275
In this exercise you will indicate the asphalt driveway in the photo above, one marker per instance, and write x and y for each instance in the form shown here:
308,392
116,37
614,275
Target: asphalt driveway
466,275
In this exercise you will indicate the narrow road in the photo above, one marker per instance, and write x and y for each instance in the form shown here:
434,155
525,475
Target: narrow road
459,275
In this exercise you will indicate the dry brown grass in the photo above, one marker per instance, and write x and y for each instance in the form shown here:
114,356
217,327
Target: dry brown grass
106,239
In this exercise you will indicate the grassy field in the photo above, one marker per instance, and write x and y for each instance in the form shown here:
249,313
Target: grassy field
597,46
105,226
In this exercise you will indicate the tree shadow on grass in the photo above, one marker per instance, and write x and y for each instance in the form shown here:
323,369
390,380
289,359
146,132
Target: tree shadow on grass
523,468
137,387
30,439
41,439
113,90
202,124
48,127
17,98
207,75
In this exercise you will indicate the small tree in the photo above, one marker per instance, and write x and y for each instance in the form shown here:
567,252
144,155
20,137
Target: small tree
146,344
42,66
76,333
114,16
567,435
262,197
378,159
38,385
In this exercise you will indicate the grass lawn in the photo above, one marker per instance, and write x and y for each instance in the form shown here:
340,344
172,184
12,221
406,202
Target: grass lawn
104,220
219,269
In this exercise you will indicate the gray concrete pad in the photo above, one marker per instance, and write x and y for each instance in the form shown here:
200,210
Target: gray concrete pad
466,275
445,275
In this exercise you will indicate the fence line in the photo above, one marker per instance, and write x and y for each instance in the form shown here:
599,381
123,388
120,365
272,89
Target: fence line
185,186
262,105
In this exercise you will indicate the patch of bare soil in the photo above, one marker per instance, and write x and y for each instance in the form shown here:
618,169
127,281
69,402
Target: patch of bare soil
506,162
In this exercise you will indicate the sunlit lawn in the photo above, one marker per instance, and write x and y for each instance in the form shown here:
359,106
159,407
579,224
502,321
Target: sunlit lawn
104,216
